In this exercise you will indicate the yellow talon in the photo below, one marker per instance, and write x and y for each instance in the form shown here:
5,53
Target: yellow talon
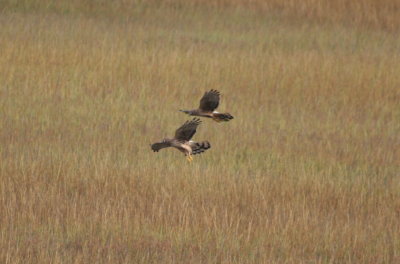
189,158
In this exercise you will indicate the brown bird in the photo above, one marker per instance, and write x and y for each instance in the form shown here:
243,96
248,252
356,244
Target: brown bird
208,103
182,140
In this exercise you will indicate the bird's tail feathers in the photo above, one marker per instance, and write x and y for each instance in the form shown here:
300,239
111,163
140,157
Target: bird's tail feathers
219,117
185,111
200,147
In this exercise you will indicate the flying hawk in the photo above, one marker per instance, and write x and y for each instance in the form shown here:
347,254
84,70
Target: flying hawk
182,141
208,103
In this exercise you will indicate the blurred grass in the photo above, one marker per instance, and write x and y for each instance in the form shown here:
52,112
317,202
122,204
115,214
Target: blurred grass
307,172
381,14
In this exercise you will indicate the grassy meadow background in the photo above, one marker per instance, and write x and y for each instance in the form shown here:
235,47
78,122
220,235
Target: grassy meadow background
307,172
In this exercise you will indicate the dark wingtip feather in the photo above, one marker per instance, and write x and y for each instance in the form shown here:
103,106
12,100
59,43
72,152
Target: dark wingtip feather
215,92
196,120
223,117
201,147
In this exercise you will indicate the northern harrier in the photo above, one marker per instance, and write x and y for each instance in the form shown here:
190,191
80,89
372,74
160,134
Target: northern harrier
182,141
208,103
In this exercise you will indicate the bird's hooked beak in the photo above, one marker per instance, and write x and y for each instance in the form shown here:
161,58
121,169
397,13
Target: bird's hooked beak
184,111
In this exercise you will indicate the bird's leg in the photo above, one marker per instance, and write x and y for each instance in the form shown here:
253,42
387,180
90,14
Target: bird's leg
189,157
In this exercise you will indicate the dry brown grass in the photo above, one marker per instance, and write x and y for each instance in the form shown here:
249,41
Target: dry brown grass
307,172
380,14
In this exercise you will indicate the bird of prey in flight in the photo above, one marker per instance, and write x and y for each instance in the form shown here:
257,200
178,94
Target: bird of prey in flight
208,103
182,140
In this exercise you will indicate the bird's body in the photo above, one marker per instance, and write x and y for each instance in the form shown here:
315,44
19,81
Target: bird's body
182,140
182,146
208,103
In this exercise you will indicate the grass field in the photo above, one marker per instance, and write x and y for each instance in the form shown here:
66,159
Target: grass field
307,172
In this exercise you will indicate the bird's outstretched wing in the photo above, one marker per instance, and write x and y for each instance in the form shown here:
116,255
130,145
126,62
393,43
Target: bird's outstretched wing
199,147
187,130
160,145
210,101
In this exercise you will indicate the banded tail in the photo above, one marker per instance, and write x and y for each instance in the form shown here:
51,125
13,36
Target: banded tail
200,147
219,117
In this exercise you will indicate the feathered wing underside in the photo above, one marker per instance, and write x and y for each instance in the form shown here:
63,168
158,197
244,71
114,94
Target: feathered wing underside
160,145
222,117
187,130
199,147
210,101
